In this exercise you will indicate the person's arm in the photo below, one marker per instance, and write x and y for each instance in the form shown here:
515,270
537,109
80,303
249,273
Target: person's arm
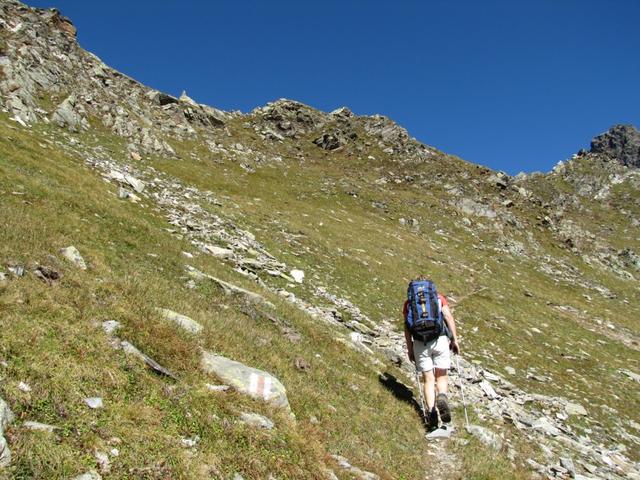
451,324
409,340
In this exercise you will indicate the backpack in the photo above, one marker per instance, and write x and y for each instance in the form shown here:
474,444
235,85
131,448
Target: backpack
424,317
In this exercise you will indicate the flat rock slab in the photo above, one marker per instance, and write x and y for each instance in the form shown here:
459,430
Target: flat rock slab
247,380
440,433
183,321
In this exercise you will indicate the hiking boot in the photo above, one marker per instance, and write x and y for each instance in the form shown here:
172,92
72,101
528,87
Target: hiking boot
432,419
443,407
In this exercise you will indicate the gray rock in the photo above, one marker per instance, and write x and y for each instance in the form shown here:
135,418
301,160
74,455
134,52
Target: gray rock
567,464
329,141
631,375
6,418
127,179
219,252
94,402
247,380
486,436
150,362
67,115
545,425
256,420
17,270
440,433
110,326
621,142
183,321
190,442
5,453
72,254
355,471
39,426
575,409
488,390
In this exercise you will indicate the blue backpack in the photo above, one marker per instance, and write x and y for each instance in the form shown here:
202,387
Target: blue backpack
424,317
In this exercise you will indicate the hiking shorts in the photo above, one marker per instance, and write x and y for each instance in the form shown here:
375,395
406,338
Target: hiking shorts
434,354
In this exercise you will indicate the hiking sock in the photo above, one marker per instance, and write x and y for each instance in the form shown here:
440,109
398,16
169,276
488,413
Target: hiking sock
432,419
443,407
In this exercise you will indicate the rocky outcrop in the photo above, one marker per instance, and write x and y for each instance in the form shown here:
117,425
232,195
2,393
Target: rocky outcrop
621,142
287,118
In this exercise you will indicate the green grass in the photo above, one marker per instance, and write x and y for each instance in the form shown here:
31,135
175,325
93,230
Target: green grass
50,339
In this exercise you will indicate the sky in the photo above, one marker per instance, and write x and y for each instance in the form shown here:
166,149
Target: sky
513,85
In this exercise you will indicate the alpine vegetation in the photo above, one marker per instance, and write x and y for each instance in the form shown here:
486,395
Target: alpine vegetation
192,293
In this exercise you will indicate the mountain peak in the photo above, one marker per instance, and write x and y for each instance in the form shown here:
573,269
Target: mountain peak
621,142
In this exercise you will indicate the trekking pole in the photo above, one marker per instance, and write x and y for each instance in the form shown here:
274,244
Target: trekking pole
464,403
424,414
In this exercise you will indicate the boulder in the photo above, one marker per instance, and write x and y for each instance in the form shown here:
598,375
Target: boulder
72,254
219,252
67,115
183,321
250,381
329,141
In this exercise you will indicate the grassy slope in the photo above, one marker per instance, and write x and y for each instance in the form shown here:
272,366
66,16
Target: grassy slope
49,340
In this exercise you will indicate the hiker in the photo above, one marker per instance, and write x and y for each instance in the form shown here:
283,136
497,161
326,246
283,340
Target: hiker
428,347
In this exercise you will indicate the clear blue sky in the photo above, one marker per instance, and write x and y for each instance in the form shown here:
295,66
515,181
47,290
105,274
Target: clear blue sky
514,85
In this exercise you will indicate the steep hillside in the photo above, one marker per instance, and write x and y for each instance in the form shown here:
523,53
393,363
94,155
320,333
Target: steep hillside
284,238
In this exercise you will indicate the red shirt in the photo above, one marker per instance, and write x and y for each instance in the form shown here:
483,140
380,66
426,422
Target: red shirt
443,303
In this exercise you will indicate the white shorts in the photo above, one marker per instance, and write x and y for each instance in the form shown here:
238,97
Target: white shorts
434,354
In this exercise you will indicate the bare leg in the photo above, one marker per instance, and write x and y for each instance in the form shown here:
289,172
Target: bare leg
442,380
429,389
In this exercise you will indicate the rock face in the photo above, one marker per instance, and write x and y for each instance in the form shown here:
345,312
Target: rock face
250,381
621,142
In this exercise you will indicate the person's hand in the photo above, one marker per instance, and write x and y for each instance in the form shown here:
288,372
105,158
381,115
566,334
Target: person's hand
455,348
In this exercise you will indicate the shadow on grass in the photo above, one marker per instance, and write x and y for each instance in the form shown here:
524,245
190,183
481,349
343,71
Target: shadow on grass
400,391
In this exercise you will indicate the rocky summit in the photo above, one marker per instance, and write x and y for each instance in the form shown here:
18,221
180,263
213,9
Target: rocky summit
621,142
187,292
